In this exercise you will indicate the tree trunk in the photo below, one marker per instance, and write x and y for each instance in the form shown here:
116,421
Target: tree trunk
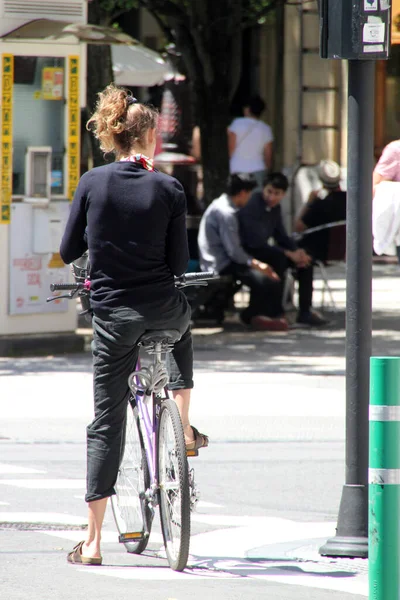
211,43
97,79
99,75
213,119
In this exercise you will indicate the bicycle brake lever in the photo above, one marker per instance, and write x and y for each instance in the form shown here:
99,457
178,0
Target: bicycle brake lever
68,296
180,286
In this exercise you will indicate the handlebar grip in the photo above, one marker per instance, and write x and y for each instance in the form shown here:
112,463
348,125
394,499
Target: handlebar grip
55,287
199,276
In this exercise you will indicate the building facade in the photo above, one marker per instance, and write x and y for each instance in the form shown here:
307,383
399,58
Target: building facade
315,92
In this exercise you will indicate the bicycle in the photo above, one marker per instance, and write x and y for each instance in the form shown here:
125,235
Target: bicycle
154,468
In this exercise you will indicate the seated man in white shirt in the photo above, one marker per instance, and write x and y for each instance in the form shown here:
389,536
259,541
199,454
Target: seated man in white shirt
220,250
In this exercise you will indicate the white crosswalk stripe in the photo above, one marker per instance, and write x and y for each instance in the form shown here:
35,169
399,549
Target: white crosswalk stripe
42,517
239,539
15,470
46,484
209,552
107,537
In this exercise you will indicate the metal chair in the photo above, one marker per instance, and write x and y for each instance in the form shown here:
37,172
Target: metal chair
336,253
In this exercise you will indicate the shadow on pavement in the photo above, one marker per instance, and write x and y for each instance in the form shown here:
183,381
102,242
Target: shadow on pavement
316,351
245,568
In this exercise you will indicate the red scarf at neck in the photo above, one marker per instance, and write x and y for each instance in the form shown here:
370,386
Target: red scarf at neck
145,161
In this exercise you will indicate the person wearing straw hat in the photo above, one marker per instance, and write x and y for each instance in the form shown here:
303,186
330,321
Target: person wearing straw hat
327,205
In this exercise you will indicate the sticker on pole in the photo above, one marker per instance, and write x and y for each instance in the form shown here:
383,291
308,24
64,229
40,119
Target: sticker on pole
374,33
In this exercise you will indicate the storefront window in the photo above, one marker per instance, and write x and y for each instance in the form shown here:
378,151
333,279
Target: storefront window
38,125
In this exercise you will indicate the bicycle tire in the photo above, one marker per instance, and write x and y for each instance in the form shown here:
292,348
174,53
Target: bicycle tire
174,492
133,479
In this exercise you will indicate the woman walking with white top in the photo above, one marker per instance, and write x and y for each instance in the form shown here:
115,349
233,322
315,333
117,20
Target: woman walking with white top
250,142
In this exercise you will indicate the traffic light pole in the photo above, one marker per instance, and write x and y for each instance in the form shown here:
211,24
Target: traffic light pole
352,528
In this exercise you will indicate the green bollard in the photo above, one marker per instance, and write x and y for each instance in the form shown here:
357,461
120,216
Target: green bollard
384,479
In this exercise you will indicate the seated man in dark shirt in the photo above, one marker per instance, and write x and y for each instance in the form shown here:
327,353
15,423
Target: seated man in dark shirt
260,222
220,250
327,205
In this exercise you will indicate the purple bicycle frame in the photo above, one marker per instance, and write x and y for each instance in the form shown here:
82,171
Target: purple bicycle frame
149,424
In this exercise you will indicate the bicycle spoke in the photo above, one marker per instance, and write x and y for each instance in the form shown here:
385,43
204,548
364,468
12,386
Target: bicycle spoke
129,504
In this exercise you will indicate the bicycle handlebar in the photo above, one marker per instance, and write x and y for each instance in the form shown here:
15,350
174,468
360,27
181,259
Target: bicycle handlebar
58,287
183,281
194,278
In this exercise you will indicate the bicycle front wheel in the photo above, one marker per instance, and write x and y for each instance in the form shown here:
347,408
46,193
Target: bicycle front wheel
173,477
132,514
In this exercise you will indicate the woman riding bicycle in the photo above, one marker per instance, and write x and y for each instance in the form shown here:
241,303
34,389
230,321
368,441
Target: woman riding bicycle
132,219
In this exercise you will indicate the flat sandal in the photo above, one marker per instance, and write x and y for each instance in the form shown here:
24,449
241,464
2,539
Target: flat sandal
75,557
200,441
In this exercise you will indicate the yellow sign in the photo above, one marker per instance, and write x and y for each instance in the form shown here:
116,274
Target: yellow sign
7,72
52,83
395,21
73,148
56,262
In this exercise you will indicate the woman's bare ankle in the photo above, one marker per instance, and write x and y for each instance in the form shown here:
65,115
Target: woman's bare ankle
188,432
91,549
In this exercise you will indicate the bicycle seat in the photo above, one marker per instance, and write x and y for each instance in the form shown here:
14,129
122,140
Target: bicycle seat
169,336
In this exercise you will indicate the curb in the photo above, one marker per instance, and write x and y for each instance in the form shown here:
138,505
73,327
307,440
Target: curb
41,344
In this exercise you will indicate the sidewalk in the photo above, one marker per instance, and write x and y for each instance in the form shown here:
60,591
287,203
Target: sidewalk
318,349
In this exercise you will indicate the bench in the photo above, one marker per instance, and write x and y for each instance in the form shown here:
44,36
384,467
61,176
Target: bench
209,303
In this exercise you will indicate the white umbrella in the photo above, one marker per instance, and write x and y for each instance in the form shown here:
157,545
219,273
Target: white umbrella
133,64
136,65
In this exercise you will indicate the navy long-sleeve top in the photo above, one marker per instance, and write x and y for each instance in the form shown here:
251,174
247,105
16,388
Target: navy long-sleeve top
259,223
136,234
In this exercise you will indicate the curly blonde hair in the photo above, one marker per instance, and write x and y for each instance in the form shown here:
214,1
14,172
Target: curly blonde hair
119,123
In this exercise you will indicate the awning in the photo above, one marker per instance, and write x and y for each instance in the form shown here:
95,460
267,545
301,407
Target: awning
133,63
139,66
50,29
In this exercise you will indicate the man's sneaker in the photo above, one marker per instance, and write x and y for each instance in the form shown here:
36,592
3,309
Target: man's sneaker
262,323
311,319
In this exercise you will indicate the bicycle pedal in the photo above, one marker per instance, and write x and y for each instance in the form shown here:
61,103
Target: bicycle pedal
191,453
133,536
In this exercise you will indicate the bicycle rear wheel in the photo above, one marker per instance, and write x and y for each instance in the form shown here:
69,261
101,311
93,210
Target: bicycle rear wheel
173,477
132,513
